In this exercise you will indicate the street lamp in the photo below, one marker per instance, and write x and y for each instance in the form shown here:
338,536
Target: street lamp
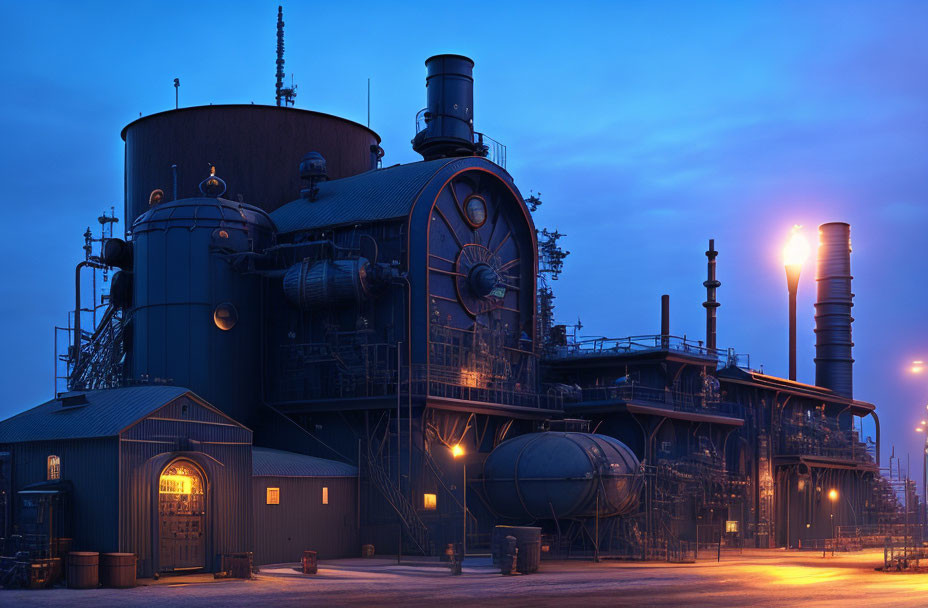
457,451
795,253
833,497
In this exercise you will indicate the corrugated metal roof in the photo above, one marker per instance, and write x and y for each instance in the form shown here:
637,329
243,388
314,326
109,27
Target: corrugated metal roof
375,195
105,414
277,463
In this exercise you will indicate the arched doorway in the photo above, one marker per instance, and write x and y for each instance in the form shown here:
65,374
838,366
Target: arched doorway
181,517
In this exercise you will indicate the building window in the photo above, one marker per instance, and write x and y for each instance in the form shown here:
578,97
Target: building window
54,467
731,527
325,495
429,502
273,496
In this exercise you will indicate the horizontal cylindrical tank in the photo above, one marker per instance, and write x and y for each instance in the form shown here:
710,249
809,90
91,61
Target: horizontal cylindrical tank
256,149
195,315
562,475
313,284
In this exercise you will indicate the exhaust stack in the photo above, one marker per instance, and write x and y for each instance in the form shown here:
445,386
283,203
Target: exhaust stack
833,361
446,127
711,304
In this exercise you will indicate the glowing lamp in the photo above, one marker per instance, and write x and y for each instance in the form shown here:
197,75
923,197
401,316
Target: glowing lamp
919,429
917,367
832,495
796,251
457,450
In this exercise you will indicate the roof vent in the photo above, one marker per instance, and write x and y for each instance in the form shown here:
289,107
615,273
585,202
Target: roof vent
72,399
312,171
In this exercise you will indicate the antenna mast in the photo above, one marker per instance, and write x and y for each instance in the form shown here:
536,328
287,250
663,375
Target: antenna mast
280,52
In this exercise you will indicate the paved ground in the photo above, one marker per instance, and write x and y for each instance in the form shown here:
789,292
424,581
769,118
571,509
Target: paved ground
759,578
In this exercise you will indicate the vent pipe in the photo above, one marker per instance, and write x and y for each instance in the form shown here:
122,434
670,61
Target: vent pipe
665,321
445,128
833,361
711,304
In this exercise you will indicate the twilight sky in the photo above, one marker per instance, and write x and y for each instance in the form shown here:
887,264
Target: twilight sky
647,127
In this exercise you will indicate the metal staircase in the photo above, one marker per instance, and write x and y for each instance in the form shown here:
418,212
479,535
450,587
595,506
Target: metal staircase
415,528
102,355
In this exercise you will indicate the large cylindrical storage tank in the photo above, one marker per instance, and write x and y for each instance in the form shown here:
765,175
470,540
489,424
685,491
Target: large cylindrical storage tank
256,149
195,315
562,475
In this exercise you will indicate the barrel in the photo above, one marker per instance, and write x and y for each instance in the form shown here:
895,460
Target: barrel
528,540
117,570
83,569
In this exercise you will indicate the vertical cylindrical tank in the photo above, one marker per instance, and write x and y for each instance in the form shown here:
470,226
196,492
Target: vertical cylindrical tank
833,361
449,115
256,149
195,315
554,475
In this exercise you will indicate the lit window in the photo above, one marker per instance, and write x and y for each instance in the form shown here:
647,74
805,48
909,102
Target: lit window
731,526
429,502
273,496
54,467
325,495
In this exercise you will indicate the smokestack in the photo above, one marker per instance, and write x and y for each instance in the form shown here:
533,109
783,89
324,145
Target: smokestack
833,361
446,128
711,304
665,321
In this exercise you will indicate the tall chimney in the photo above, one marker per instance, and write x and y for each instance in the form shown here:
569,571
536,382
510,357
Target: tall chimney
665,321
833,362
711,305
447,126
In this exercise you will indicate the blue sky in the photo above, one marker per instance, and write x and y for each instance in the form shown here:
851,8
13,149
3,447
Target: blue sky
648,127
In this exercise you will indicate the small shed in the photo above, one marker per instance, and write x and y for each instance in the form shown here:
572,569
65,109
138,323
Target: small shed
303,503
150,470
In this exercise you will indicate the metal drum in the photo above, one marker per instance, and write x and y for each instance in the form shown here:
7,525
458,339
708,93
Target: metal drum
83,569
528,540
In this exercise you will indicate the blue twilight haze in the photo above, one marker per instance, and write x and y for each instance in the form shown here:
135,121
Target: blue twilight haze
647,127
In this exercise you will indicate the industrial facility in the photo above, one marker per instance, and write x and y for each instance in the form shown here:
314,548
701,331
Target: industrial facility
303,349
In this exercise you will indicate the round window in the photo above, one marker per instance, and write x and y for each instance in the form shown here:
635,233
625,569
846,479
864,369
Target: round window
475,210
225,316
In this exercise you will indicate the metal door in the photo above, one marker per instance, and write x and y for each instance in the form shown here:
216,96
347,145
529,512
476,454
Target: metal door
182,517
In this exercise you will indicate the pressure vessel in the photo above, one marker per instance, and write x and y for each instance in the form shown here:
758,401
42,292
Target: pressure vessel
555,475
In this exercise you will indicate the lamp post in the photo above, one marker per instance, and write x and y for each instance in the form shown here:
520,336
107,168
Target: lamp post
795,253
833,498
923,517
458,452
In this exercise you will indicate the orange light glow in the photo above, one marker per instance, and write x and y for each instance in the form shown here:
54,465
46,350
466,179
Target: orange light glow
832,495
470,378
457,450
797,249
917,367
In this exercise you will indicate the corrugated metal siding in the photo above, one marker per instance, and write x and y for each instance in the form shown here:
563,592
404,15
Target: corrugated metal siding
277,463
372,196
301,522
222,450
90,465
108,412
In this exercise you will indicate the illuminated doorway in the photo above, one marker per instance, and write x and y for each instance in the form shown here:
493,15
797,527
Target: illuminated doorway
182,517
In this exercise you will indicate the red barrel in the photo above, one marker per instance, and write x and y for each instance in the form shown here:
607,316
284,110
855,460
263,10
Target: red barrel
310,565
117,570
83,569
